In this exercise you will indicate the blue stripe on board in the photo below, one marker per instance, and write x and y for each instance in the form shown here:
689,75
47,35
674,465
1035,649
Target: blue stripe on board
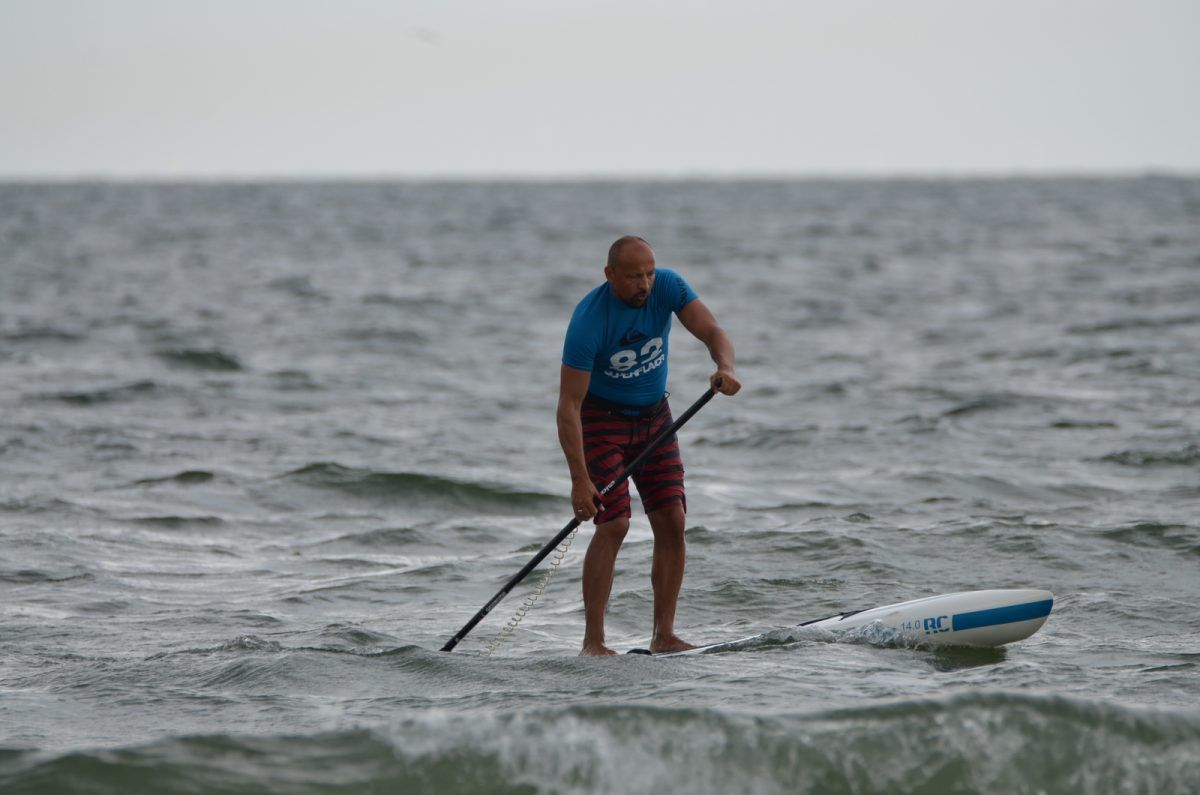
1002,615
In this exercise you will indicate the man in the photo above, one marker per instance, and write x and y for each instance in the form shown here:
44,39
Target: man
611,403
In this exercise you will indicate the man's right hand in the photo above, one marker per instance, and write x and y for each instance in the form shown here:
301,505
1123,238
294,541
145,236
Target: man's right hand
584,499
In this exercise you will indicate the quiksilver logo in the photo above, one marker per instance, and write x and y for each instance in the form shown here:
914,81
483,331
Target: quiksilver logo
632,336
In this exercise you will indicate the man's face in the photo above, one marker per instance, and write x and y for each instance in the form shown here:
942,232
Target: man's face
632,277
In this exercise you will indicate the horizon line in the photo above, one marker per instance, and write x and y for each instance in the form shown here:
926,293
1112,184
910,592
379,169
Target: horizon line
947,174
932,175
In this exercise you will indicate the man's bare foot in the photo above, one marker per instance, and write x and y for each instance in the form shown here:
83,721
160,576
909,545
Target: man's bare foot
669,643
595,650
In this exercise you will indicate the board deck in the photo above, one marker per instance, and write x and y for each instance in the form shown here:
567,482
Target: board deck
969,618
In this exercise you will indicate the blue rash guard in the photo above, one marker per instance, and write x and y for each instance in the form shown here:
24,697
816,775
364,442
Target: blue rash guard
625,348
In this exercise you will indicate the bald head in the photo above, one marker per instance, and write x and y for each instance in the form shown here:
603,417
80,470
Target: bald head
630,270
628,247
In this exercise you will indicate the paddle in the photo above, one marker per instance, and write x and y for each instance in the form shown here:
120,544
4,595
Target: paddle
566,531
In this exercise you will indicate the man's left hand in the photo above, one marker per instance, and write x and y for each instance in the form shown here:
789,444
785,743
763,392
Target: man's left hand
725,382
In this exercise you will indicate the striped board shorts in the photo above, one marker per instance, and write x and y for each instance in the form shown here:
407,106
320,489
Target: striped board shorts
614,435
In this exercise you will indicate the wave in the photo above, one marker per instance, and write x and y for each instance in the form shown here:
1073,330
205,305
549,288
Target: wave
391,336
187,477
1185,456
1003,490
249,643
1134,323
252,655
1082,424
983,403
411,487
378,538
114,394
201,359
299,286
977,742
820,543
346,636
40,504
292,380
173,522
38,577
417,303
42,334
1180,538
762,438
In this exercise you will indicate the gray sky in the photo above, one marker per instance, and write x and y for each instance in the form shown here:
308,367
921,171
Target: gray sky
540,87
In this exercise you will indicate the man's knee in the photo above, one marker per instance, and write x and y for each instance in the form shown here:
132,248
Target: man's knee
667,522
612,532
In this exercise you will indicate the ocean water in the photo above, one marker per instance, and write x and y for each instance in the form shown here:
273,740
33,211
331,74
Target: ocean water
265,447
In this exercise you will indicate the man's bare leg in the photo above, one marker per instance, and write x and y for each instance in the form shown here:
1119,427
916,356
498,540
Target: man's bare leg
598,566
666,575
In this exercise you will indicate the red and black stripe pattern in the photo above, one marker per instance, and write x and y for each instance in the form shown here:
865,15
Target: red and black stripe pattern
612,440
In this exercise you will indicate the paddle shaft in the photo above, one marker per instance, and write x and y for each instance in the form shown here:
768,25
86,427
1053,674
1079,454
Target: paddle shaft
574,523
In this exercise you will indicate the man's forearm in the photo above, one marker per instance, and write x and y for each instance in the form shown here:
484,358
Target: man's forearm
720,348
570,437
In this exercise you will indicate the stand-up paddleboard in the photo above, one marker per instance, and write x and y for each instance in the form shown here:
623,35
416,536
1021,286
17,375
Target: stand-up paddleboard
972,618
